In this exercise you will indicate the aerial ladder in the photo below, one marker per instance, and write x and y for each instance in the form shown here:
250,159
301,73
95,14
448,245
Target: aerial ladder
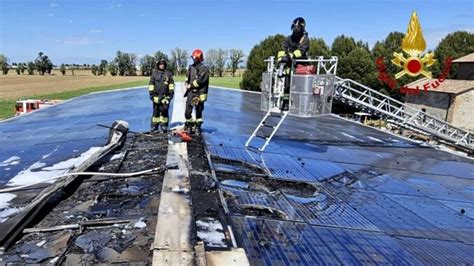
312,95
352,92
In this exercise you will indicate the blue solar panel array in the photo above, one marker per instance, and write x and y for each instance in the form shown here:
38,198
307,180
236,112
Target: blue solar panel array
382,199
66,130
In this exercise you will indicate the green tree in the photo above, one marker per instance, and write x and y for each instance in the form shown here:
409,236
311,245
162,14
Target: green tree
342,46
102,69
358,65
317,47
94,70
4,64
160,55
255,65
235,59
179,60
121,63
221,57
43,64
126,63
62,69
147,64
454,45
392,43
22,67
211,59
131,64
31,68
113,68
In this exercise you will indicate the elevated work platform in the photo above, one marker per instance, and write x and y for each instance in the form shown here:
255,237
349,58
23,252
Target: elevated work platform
312,95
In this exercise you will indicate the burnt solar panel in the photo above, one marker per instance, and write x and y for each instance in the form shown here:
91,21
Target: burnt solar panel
320,209
380,195
272,242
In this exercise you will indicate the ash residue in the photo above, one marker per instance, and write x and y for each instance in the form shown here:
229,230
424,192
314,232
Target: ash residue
106,219
208,212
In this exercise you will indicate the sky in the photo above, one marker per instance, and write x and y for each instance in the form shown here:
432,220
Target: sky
86,31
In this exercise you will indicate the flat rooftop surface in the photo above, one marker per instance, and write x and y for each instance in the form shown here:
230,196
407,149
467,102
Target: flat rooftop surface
342,192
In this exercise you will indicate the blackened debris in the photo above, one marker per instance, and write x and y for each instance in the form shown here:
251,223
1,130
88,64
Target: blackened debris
103,199
209,215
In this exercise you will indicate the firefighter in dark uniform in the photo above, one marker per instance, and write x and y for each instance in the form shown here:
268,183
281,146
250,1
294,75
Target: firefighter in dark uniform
197,86
294,47
161,89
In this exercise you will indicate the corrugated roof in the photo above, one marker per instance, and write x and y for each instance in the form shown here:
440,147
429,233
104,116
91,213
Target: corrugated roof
465,59
454,86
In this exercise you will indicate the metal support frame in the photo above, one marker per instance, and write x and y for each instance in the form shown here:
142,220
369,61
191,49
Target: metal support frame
361,95
276,93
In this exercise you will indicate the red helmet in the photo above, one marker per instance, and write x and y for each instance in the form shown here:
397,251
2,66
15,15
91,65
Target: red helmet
198,55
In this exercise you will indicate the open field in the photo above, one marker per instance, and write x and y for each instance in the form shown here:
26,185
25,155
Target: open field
56,72
13,86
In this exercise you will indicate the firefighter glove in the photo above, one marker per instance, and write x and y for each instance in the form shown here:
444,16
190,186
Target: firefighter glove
195,101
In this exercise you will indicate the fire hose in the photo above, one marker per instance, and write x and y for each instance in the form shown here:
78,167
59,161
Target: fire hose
17,188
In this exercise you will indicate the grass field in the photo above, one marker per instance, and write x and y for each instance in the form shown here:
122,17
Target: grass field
17,86
61,87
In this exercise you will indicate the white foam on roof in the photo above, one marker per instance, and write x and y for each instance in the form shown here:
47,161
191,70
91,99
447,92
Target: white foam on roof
117,156
11,161
140,224
211,232
5,211
5,198
38,173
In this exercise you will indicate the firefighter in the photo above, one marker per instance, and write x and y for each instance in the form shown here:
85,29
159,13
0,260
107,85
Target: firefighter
197,85
294,47
161,89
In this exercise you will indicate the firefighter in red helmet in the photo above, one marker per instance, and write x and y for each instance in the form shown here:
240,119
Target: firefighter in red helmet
294,47
161,89
197,86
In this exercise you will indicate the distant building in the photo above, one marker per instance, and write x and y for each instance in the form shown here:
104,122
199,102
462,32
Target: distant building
452,100
465,67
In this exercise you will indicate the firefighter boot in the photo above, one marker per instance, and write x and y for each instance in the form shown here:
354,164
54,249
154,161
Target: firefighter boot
285,106
188,127
164,127
198,129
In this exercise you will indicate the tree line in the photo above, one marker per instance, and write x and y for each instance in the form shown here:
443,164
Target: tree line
41,65
125,64
218,61
356,60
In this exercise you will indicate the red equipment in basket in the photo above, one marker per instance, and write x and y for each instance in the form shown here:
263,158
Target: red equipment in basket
305,70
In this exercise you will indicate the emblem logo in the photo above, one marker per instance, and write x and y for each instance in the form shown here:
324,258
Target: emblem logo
413,45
